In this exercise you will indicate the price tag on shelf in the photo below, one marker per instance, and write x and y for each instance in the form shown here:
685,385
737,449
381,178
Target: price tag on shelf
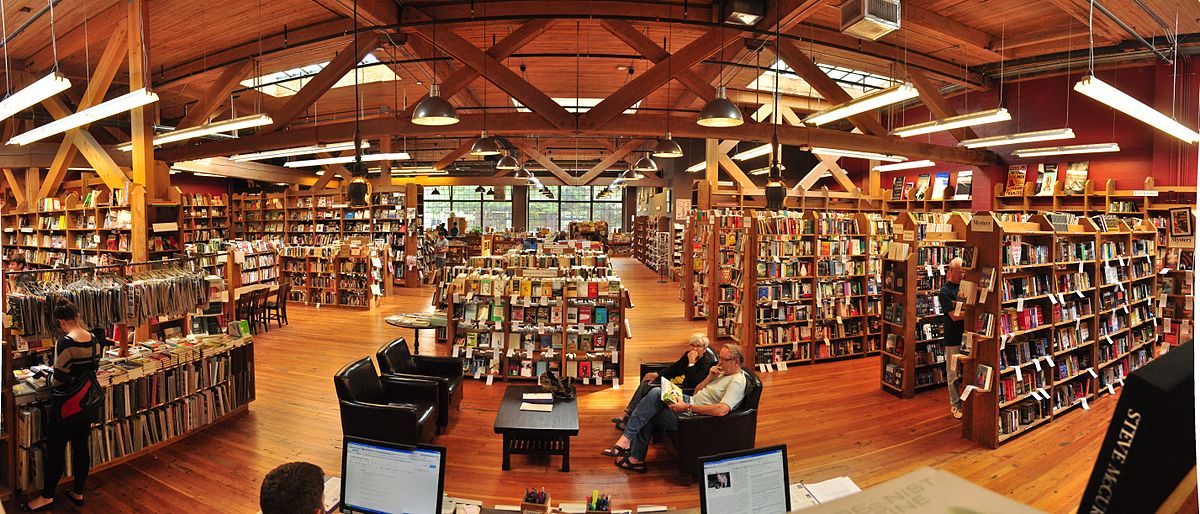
1110,390
478,373
1083,402
1020,377
1037,363
616,383
1045,395
770,368
1164,271
1081,266
470,352
1053,300
1080,293
762,368
1035,394
966,392
929,270
1061,300
782,365
1121,380
1109,339
1049,360
587,381
1092,372
489,380
1126,307
1121,260
1021,304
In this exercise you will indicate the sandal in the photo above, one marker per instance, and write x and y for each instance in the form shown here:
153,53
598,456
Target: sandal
629,466
26,508
615,451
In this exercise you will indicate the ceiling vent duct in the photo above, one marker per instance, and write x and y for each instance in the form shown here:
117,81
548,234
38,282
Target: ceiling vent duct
870,19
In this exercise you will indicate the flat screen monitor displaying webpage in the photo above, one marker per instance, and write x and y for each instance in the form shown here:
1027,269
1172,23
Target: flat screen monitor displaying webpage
750,481
386,478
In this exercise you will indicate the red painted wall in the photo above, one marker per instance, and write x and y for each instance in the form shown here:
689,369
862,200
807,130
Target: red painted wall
191,184
1049,103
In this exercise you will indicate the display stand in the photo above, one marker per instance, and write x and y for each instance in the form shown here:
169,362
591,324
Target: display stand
350,274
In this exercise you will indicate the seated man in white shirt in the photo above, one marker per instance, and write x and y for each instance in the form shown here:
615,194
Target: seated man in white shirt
717,395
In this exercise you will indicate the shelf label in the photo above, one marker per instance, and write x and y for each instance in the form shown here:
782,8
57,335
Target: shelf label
982,223
1083,401
1144,192
1093,373
1110,390
1020,378
1037,363
490,377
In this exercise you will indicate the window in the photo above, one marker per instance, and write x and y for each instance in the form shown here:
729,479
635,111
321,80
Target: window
572,203
480,210
288,82
855,82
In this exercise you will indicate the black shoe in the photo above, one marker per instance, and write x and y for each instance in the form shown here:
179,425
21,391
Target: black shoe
26,508
620,423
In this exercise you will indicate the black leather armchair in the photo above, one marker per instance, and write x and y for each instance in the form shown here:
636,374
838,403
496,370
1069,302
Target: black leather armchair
700,436
395,360
390,409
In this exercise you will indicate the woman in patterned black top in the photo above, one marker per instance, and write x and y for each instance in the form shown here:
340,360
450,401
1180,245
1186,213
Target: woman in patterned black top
76,357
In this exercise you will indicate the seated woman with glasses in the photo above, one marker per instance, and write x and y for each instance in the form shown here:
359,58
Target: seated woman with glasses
687,372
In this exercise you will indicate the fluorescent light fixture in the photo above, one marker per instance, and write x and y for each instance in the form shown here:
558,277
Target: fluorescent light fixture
954,122
1023,137
346,159
757,151
33,94
1117,99
207,129
427,170
81,169
281,183
765,169
92,114
203,174
906,165
300,150
175,171
857,154
696,167
864,103
1067,150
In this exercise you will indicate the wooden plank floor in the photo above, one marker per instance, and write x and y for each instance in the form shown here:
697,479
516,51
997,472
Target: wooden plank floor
833,417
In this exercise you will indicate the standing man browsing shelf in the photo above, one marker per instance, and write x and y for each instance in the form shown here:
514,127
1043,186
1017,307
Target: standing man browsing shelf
953,332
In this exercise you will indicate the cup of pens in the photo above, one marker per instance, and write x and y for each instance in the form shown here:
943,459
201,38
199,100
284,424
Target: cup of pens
598,503
535,502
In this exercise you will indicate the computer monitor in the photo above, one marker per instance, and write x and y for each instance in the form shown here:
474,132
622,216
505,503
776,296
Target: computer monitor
751,481
387,478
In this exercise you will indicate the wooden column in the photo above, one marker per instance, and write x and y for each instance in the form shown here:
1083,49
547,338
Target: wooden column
33,182
141,118
411,244
711,157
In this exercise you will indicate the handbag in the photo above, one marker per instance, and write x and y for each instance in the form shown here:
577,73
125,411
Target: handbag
81,403
563,389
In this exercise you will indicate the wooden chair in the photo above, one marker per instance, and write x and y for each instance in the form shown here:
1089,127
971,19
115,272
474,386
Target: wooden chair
260,309
275,307
245,308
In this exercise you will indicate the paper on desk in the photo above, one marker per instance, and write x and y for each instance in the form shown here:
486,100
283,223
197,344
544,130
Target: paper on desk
333,493
651,508
537,407
807,495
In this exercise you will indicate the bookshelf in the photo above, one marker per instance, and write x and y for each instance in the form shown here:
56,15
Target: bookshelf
204,217
678,235
894,203
350,274
696,266
1071,317
914,270
728,265
200,385
783,287
518,327
840,285
642,235
70,231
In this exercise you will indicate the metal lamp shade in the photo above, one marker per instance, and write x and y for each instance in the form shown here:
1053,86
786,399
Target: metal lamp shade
507,162
434,110
720,112
486,145
667,148
645,164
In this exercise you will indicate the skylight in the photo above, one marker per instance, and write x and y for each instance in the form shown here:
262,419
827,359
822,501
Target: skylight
289,82
584,105
855,82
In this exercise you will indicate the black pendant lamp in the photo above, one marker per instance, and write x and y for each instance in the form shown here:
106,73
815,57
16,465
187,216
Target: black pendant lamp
667,148
486,145
358,189
645,164
776,191
434,110
720,112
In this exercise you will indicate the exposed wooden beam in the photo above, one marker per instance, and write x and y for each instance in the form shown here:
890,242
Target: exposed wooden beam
344,62
15,186
425,54
216,95
41,155
610,159
936,103
529,124
542,159
1104,28
248,170
500,75
650,80
380,13
454,154
735,172
514,41
251,49
141,119
830,90
825,38
552,9
656,54
950,29
442,181
106,70
99,27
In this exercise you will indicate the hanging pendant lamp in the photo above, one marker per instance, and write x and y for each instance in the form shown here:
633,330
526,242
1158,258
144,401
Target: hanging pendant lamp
776,190
508,162
720,112
645,164
667,148
486,145
433,110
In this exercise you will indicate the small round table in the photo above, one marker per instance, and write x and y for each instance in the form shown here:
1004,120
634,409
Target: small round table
418,321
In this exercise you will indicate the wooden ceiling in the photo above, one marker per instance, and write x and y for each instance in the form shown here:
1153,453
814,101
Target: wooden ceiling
581,50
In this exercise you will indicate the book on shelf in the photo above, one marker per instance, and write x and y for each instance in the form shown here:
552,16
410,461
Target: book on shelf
941,181
897,188
1047,176
908,189
962,185
1015,184
922,190
1076,179
983,377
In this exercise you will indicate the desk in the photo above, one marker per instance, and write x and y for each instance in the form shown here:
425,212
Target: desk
536,433
418,321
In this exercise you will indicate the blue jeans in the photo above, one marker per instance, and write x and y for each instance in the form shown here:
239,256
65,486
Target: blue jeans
649,413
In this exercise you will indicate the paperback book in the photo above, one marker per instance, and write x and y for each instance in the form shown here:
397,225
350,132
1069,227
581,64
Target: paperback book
940,182
897,188
1015,185
1076,181
962,186
1047,176
922,191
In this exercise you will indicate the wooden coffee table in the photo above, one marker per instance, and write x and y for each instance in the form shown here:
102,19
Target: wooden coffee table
536,433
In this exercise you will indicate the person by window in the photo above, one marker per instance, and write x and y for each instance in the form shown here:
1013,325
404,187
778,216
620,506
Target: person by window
687,372
441,230
720,392
440,249
454,228
76,358
293,488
